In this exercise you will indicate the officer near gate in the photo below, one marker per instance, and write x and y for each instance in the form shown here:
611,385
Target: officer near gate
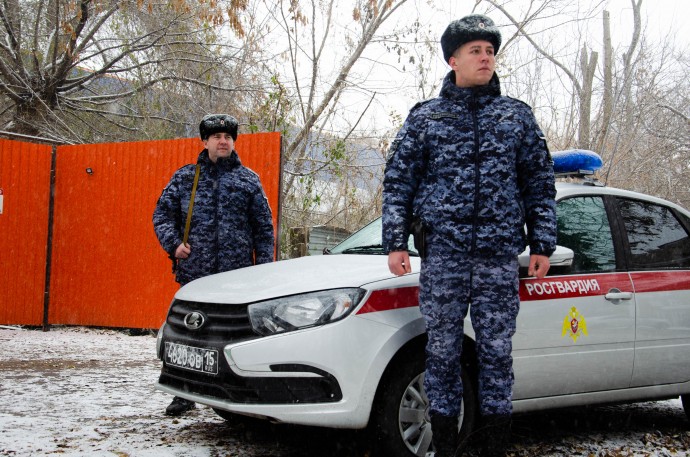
473,166
230,225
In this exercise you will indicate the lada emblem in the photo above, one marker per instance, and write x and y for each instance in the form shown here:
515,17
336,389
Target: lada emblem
194,320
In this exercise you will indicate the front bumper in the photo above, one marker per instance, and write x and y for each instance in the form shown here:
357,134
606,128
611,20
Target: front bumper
322,376
230,387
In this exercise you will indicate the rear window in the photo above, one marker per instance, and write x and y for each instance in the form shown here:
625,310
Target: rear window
656,237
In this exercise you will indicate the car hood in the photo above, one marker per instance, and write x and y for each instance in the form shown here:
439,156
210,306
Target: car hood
289,277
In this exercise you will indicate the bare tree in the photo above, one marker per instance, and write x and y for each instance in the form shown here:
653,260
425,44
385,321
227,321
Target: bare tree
66,66
607,98
369,15
630,109
581,84
333,165
648,144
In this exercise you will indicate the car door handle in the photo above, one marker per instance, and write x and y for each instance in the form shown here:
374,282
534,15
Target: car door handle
616,295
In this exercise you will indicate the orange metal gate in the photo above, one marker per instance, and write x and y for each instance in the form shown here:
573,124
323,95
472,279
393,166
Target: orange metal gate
25,187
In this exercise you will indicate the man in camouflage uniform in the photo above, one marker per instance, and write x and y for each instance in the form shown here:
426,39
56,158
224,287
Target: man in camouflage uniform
231,225
474,166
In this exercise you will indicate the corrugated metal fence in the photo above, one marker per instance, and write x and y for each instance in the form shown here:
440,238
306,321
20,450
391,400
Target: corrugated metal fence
106,267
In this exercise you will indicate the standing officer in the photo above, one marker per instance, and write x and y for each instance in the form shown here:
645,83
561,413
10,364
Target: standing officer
231,225
474,166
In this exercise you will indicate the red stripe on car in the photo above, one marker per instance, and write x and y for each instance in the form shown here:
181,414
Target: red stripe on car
551,288
388,299
661,281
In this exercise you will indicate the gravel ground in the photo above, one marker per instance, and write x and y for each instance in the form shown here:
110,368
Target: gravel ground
75,391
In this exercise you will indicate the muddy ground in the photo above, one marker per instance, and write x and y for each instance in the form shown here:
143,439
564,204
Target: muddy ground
74,391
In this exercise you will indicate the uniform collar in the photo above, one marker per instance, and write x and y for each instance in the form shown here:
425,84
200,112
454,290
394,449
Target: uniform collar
451,91
224,163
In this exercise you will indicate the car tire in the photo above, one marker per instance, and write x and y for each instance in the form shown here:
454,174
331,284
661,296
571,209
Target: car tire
400,421
686,404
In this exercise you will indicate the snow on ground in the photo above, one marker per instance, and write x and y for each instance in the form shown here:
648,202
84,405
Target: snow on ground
74,391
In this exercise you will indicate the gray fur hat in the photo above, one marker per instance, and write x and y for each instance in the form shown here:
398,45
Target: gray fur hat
469,28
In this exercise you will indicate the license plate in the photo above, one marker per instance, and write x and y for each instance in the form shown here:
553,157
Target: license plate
191,358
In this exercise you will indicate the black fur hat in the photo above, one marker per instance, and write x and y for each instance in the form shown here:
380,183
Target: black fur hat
469,28
213,123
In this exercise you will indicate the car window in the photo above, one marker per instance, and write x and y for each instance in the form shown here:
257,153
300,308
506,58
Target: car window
369,235
583,226
656,237
366,240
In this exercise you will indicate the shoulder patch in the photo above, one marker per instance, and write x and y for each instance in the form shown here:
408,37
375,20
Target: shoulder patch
394,147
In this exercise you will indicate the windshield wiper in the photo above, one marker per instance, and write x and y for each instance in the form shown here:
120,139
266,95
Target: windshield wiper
368,248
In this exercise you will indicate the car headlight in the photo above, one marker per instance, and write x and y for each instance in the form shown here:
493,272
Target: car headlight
305,310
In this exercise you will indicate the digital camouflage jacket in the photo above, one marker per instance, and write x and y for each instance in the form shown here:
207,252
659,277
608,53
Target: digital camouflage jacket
231,223
475,167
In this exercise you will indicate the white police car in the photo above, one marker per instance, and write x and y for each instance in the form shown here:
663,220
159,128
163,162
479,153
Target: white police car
338,341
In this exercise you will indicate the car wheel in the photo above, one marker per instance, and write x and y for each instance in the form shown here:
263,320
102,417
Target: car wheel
401,424
686,404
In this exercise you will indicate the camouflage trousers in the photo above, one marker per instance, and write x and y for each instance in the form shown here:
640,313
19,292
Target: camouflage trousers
450,285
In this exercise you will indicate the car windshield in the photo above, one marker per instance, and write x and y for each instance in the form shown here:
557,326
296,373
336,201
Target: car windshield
367,240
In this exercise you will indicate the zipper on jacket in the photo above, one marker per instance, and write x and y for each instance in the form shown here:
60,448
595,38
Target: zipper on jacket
475,213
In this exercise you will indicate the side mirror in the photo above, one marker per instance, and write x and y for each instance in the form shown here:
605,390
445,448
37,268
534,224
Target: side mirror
561,257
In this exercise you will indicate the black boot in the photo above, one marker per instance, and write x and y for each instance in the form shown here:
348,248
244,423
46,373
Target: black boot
495,435
444,435
179,406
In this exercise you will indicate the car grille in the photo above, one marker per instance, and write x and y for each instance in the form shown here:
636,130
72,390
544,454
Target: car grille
231,322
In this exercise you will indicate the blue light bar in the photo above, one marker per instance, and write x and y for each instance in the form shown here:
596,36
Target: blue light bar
576,162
